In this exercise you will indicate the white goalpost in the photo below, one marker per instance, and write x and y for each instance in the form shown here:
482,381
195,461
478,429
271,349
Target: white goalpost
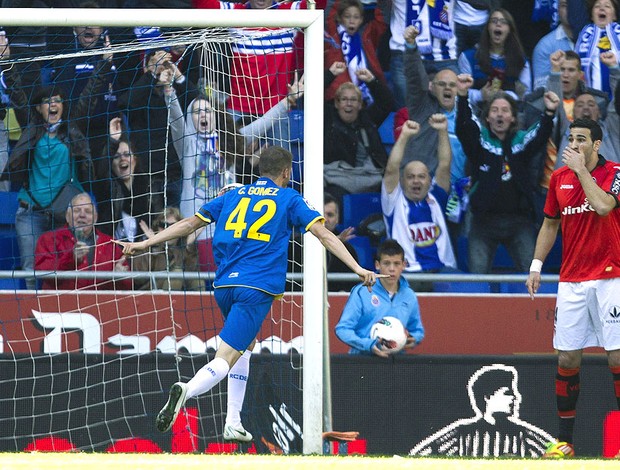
41,322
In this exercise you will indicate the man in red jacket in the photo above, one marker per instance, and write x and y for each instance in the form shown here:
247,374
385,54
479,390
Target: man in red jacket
79,246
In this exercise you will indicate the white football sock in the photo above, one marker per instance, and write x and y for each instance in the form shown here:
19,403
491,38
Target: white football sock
237,383
207,377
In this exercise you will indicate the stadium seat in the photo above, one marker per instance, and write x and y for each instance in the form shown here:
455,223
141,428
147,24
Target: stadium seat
386,132
365,252
356,207
9,250
468,287
8,207
502,263
12,284
519,288
553,262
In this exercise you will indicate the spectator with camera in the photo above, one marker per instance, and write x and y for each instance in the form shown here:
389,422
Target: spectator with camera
147,113
80,247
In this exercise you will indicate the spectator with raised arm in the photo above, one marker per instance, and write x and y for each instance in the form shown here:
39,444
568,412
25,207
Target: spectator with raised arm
350,41
72,75
262,64
80,247
215,152
5,51
147,113
354,153
51,154
425,97
578,100
436,40
501,157
124,196
414,203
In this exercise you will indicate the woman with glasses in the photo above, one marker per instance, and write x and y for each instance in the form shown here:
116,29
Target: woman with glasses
123,192
51,153
499,61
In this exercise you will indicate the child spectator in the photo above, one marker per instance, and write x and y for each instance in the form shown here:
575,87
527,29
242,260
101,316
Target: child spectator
354,44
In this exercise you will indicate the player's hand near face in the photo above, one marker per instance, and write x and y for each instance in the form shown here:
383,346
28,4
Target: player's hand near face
574,159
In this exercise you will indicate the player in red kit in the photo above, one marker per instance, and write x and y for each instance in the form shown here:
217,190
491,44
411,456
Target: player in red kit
583,201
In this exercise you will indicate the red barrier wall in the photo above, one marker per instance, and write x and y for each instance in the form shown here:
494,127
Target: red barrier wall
482,324
455,324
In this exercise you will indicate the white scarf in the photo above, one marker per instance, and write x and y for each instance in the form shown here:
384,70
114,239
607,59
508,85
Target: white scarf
587,48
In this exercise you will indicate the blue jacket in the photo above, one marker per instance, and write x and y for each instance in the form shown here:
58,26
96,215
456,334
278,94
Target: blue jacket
364,309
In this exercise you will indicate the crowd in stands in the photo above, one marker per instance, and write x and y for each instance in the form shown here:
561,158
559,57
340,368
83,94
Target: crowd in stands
451,112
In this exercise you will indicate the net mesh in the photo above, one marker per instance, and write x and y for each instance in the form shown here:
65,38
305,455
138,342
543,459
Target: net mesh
153,123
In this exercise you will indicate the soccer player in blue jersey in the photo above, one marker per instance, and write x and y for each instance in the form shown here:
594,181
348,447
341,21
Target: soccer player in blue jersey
250,246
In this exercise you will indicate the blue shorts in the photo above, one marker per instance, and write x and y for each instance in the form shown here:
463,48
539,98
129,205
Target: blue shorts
244,310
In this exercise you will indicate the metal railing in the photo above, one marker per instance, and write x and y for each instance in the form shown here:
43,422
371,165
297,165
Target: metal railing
209,276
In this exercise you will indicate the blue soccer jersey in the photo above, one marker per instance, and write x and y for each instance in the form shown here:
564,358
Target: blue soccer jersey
254,225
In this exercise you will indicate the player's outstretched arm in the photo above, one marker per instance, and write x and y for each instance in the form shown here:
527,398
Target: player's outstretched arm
335,246
181,229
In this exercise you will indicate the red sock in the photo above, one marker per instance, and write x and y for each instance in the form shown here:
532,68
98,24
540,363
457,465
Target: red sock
567,384
615,371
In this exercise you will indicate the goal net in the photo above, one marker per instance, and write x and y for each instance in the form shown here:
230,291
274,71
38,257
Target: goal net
138,126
